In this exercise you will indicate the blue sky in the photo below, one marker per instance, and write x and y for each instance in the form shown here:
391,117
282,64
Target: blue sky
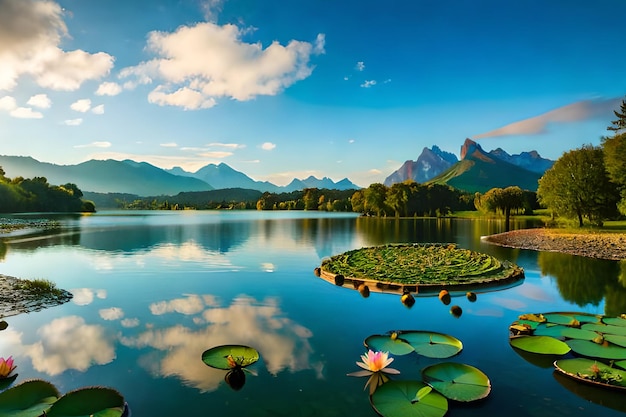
280,89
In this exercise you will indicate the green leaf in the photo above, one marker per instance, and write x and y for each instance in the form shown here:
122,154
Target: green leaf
230,356
621,364
397,399
545,345
605,329
423,392
29,399
614,321
89,402
616,340
457,381
386,343
581,369
432,344
565,331
596,350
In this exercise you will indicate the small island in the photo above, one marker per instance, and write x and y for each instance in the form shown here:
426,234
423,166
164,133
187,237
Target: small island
418,268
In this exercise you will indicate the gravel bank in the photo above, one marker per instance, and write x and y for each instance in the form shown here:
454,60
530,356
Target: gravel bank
593,245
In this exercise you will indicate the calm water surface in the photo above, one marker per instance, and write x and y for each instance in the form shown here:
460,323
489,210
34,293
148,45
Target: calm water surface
153,290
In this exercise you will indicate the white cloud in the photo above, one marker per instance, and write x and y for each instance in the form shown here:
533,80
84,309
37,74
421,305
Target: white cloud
95,145
25,113
65,343
108,89
169,145
82,105
268,146
368,83
30,34
360,66
73,122
211,9
575,112
351,140
197,64
227,145
134,322
113,313
40,100
215,154
7,103
99,109
193,304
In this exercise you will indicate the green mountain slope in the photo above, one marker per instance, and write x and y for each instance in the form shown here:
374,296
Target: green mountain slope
478,171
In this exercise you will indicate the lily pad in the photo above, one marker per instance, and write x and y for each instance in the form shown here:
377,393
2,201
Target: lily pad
89,402
230,356
432,344
596,350
592,372
605,328
408,398
616,339
614,321
540,344
389,343
457,381
565,332
28,399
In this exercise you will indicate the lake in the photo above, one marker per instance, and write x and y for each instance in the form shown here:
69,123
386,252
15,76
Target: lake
154,290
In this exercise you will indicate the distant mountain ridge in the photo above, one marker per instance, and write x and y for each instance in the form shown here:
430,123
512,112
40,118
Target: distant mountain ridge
429,164
479,171
435,165
144,179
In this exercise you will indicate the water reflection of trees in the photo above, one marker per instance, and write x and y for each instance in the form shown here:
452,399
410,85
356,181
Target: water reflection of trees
585,281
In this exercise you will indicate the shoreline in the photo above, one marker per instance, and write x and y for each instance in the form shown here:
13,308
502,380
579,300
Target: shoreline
611,246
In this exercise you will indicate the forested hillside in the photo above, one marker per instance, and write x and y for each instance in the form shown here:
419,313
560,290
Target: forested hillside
19,195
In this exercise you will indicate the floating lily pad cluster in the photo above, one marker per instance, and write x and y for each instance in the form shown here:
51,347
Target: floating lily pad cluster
35,398
440,382
420,264
596,344
234,359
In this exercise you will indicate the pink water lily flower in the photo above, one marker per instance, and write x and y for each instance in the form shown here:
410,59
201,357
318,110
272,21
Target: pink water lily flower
6,367
375,366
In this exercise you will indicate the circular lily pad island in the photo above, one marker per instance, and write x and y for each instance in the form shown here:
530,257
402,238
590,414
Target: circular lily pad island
425,269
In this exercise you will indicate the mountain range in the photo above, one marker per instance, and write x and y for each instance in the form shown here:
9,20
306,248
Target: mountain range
475,171
143,179
479,171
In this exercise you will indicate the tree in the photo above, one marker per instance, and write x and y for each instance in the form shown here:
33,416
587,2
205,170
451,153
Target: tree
398,197
615,163
620,123
357,200
578,186
375,196
505,200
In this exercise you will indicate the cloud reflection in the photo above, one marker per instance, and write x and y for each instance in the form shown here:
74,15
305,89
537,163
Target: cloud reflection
66,343
282,343
84,296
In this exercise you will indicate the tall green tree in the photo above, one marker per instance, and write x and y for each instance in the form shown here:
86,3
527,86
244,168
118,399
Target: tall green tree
578,186
398,197
620,123
615,163
503,199
375,196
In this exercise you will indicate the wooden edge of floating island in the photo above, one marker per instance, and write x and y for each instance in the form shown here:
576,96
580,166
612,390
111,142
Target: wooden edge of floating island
422,289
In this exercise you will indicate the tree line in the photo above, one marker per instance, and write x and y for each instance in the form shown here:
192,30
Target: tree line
20,195
589,183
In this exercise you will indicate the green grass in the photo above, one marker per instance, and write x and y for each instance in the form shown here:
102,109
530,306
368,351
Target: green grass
41,287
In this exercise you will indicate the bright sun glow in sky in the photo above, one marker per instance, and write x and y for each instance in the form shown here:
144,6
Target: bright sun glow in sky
283,89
